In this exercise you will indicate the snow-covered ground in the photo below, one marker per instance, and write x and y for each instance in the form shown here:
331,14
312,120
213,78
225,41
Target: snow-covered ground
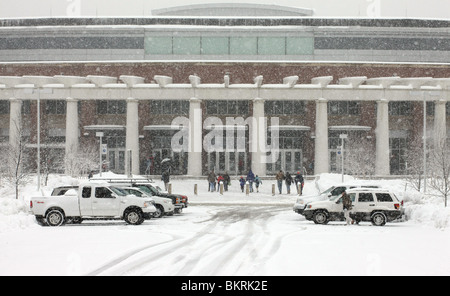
230,234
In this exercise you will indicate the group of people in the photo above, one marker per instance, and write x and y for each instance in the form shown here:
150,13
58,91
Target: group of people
251,179
287,178
214,181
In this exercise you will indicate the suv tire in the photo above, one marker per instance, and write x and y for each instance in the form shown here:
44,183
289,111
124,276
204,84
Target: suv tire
320,217
378,219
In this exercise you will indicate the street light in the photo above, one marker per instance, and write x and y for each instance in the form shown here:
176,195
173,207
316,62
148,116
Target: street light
39,82
342,137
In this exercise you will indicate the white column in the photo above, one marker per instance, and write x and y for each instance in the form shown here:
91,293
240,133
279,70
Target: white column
321,161
440,123
259,138
72,131
15,121
195,138
382,164
132,137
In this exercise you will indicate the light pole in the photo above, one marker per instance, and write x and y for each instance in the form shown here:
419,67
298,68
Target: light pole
39,82
100,151
342,137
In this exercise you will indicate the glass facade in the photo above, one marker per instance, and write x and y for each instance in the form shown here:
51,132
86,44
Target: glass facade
236,45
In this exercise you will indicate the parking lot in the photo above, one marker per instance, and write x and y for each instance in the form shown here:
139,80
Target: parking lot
226,239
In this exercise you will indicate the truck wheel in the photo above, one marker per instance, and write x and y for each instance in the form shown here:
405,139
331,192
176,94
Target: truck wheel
55,217
378,219
159,212
320,217
134,217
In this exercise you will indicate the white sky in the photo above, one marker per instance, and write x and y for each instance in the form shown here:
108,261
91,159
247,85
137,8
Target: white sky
327,8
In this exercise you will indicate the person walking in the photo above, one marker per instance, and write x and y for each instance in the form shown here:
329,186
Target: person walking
299,183
347,206
212,181
226,181
165,177
250,179
288,180
220,179
242,183
257,183
280,178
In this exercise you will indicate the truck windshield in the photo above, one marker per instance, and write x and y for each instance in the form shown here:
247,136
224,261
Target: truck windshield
118,191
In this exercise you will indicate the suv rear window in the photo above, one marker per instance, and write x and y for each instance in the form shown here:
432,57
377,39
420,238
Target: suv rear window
384,197
365,197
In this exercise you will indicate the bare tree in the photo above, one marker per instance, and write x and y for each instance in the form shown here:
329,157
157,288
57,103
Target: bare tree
440,168
359,156
82,161
16,168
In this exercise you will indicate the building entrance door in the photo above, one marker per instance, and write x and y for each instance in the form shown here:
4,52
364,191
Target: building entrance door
289,160
165,158
234,163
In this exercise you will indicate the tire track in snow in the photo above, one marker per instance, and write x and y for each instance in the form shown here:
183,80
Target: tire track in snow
234,240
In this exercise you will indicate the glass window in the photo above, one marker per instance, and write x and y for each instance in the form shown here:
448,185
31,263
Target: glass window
365,197
86,193
215,45
158,45
299,46
111,107
4,107
227,107
284,107
271,45
383,197
169,107
343,108
400,108
186,45
55,107
102,192
243,46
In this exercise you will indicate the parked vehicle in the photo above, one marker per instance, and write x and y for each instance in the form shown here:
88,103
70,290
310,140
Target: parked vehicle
163,205
375,205
179,201
331,192
91,201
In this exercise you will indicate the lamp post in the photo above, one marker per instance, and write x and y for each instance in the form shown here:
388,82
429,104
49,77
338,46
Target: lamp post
100,151
342,137
39,82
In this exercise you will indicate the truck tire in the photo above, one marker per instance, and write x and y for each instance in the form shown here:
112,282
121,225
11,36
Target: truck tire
159,212
320,217
55,217
133,216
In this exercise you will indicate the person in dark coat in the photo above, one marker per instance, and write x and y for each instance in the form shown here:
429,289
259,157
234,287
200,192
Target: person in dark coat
299,183
250,180
226,181
280,178
166,178
242,183
212,181
347,206
288,181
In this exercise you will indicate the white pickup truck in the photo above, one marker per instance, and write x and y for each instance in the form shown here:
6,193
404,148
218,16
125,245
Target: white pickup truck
91,201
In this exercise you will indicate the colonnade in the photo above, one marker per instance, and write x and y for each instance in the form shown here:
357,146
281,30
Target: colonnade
133,89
